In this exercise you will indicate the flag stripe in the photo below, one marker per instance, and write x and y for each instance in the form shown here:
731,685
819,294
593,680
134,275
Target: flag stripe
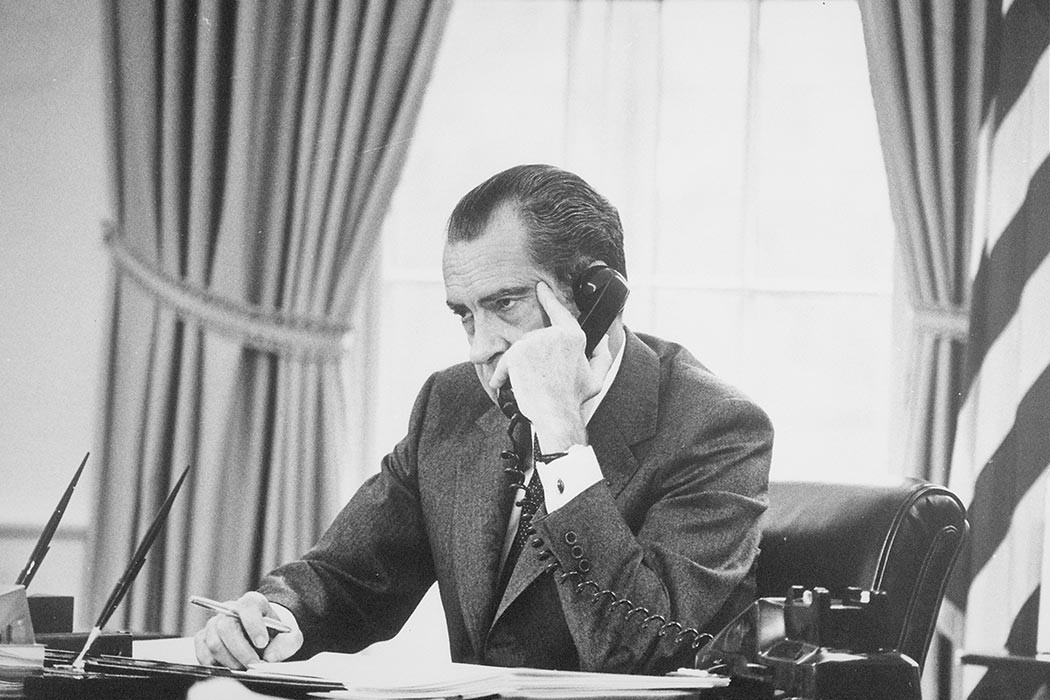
998,684
1011,471
998,591
1021,640
1015,361
1002,589
1026,35
1020,250
1018,148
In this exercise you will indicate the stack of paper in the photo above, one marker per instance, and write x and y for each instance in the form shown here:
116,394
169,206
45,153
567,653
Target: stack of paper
366,680
16,662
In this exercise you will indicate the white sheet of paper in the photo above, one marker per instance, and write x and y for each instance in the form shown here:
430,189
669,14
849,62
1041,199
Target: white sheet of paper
178,650
373,677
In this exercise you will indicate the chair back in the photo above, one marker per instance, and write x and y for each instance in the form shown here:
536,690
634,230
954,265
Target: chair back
903,540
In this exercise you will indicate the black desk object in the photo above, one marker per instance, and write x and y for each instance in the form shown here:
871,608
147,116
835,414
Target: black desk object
43,544
118,677
50,613
110,643
809,645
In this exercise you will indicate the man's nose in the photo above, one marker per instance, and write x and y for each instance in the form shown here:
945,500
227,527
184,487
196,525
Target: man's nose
489,340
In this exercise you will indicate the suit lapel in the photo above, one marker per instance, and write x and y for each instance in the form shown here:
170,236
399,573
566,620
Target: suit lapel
527,568
627,415
481,511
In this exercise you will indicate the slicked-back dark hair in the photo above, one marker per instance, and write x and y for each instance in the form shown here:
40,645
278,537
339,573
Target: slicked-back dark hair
570,225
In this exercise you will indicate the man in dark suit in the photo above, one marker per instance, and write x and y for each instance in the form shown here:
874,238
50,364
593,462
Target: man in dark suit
652,474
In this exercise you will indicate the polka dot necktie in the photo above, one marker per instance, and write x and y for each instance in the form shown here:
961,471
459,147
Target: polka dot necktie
530,504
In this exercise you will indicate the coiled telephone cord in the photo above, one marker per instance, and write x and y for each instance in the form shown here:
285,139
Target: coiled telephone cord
682,633
515,456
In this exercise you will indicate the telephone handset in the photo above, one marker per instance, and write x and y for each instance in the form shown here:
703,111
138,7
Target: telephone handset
600,293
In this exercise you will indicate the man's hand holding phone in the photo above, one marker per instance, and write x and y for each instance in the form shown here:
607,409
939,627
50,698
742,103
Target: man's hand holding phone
551,375
244,639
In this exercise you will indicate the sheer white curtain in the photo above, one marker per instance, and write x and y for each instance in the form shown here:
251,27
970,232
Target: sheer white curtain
746,167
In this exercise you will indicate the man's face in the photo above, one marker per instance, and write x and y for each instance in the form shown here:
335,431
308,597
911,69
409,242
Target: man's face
490,284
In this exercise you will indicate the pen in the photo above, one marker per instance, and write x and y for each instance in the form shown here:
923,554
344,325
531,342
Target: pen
271,623
44,543
137,560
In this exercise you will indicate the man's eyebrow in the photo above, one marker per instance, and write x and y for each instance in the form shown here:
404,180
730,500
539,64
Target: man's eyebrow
521,290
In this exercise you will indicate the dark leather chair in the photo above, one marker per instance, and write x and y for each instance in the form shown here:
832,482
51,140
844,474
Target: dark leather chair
900,539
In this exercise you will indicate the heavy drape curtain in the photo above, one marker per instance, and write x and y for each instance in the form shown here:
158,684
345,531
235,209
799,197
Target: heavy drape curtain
926,61
927,69
255,147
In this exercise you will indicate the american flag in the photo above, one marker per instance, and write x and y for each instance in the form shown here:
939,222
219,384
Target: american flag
1001,456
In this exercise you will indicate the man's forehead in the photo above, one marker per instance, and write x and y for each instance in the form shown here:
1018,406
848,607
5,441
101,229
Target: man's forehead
470,276
504,224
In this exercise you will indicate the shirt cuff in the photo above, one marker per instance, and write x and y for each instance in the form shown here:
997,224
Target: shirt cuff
569,476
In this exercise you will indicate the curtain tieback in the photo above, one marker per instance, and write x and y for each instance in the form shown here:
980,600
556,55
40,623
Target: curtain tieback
945,321
270,330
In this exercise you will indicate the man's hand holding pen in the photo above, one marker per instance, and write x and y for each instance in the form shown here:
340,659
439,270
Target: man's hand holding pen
241,640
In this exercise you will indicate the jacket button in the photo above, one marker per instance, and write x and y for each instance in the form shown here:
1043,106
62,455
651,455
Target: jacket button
570,537
583,565
576,551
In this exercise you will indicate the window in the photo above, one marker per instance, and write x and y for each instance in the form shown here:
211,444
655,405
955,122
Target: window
738,140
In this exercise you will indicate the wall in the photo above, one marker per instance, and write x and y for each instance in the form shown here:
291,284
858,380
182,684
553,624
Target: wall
53,277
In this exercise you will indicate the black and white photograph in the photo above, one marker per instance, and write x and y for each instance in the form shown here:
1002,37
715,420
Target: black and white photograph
543,349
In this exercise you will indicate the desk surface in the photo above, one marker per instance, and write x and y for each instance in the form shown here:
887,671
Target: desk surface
167,680
1026,664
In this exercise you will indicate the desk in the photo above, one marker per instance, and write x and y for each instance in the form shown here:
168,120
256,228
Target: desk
1011,676
229,689
386,672
171,674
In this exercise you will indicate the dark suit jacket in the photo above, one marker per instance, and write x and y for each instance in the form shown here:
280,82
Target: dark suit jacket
672,530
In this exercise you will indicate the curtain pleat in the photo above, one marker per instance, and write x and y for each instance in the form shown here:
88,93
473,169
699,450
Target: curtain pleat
926,64
388,156
255,147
